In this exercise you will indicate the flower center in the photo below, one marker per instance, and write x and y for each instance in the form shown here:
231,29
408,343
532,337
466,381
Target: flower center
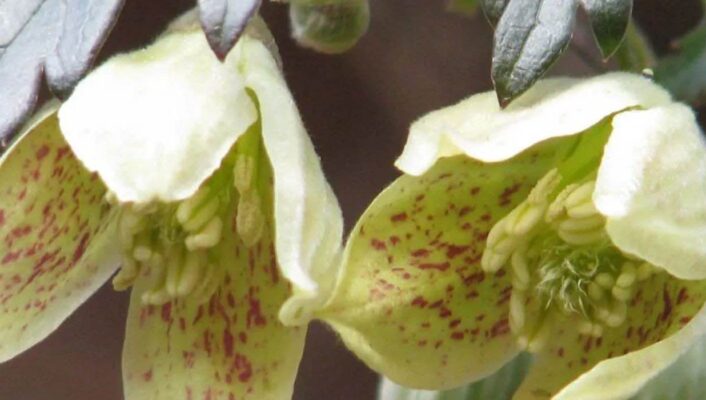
176,246
562,262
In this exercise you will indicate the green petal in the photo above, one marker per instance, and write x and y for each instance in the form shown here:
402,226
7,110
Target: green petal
478,127
308,218
155,123
233,346
651,187
662,307
56,247
413,301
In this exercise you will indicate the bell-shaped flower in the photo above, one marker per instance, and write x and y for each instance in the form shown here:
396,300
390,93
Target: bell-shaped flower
196,181
570,225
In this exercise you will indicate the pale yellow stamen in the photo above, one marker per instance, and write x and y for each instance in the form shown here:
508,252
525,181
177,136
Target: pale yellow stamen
208,237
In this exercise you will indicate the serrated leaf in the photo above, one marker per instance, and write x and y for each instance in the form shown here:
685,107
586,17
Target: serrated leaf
529,37
224,20
493,10
59,38
684,73
498,386
609,21
467,7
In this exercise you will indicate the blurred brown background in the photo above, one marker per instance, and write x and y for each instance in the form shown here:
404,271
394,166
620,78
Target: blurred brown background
415,58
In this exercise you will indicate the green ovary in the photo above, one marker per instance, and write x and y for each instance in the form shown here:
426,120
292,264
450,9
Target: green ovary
562,262
177,245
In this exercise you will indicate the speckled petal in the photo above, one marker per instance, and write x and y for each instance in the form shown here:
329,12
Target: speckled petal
652,186
307,215
233,346
56,247
556,107
662,307
155,123
413,301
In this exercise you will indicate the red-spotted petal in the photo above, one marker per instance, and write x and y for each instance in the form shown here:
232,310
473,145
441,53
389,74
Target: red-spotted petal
231,347
661,307
413,302
55,247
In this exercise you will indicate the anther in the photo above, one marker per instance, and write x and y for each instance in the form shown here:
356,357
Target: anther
627,275
580,195
544,187
491,261
644,271
208,237
520,270
523,218
557,209
605,280
250,221
595,291
581,238
617,315
517,311
186,208
621,293
243,173
591,223
202,216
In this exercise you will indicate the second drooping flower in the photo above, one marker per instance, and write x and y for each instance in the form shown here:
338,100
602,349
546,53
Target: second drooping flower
569,225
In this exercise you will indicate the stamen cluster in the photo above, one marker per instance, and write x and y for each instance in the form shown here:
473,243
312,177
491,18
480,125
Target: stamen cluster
562,262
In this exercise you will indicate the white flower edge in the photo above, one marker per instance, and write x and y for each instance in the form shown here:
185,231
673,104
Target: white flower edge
556,107
309,224
156,123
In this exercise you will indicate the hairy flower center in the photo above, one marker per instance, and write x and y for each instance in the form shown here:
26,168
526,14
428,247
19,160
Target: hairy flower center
176,246
562,262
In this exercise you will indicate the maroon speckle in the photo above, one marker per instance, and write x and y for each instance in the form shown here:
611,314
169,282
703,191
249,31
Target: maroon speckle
81,248
42,152
500,328
399,217
378,244
147,376
443,266
167,312
457,335
228,343
419,301
667,311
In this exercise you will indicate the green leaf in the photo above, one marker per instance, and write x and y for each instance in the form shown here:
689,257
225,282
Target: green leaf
499,386
635,54
467,7
56,38
683,73
529,37
609,20
493,9
224,20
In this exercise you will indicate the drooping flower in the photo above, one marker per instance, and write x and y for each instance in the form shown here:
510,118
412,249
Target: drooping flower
571,225
195,179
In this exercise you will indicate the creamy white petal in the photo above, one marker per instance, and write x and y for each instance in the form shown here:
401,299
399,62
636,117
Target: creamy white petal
556,107
156,123
652,187
307,216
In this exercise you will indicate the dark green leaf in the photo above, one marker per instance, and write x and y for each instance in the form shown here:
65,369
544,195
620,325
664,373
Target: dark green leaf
58,37
529,37
609,20
498,386
493,9
467,7
684,73
224,20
